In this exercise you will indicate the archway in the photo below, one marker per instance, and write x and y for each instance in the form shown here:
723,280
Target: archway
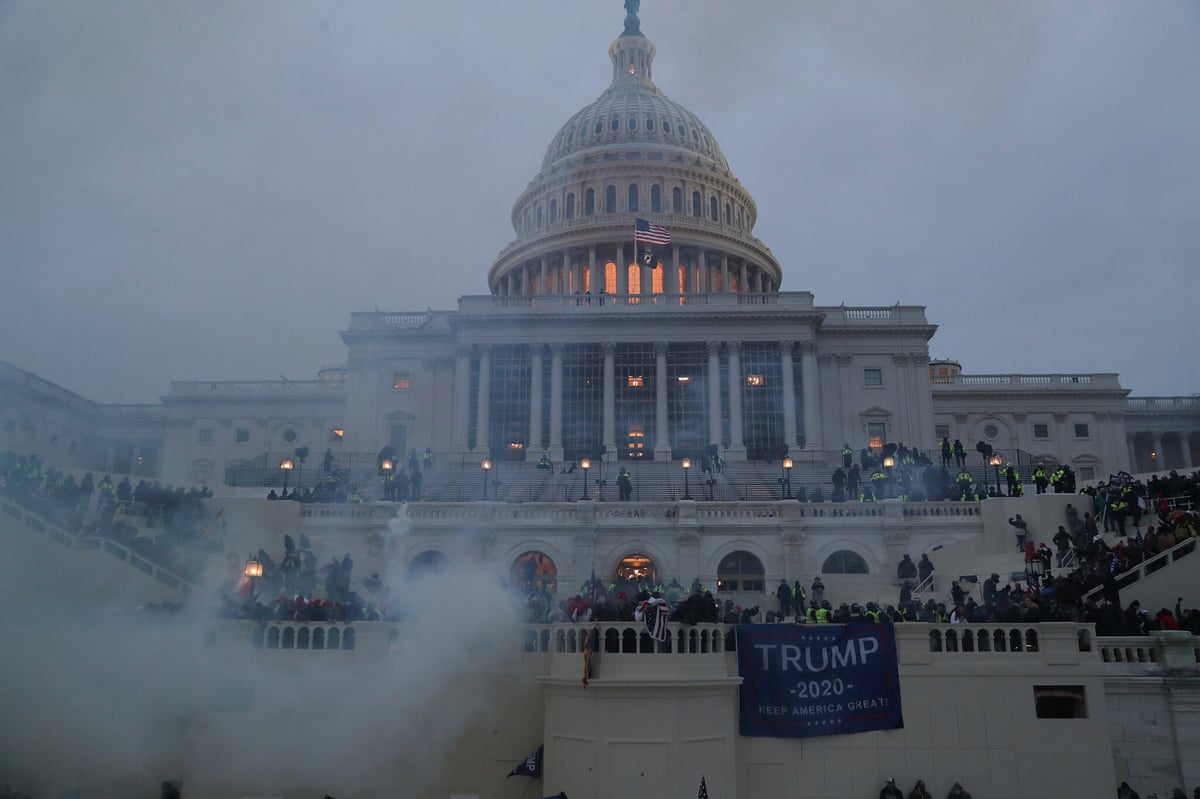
844,561
427,564
637,569
534,570
740,571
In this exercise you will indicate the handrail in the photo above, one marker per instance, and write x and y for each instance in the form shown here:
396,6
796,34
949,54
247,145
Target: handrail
71,540
1148,566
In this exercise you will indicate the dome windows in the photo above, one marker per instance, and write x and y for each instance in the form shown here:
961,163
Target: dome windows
569,212
599,128
615,125
650,124
712,210
633,123
666,126
632,204
589,202
610,199
656,198
697,206
553,210
677,200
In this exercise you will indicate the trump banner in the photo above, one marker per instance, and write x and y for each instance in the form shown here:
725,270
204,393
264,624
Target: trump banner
817,679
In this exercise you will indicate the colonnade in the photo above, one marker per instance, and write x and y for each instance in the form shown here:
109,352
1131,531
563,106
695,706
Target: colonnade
811,411
562,272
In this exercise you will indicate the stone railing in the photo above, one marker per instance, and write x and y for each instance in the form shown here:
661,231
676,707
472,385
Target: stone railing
1020,381
201,388
1162,403
1149,566
119,551
1170,650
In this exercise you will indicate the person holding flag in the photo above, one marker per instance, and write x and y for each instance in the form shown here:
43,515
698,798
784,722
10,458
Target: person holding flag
646,238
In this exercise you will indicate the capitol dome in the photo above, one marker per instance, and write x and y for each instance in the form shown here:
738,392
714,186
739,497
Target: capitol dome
633,154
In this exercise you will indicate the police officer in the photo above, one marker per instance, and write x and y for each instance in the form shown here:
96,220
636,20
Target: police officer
1040,479
847,456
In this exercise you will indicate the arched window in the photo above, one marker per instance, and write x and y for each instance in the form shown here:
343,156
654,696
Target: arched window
656,281
683,279
677,200
533,570
844,562
637,568
427,563
633,197
633,123
728,214
539,216
650,123
599,128
610,199
553,210
589,202
740,571
666,126
712,210
696,205
656,198
610,278
570,214
634,279
616,124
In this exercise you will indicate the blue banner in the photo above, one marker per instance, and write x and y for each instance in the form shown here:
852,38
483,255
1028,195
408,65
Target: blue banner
818,679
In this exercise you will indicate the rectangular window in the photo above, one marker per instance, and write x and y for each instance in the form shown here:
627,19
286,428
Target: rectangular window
1081,431
1087,473
755,381
242,435
204,435
402,381
1060,701
872,377
1041,431
336,435
941,431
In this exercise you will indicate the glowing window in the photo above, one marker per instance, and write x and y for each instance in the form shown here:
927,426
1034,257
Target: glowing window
402,381
755,381
657,280
683,380
635,381
876,433
337,434
610,278
635,279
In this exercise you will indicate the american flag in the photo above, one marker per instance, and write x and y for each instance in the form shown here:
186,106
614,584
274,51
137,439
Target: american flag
650,234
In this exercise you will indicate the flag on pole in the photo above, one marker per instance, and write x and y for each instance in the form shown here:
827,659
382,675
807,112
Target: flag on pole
703,792
531,766
646,237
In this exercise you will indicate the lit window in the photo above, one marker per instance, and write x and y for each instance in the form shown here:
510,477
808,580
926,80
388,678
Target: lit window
755,380
683,380
876,432
872,377
337,434
402,381
516,446
204,435
242,435
1041,431
635,381
1081,431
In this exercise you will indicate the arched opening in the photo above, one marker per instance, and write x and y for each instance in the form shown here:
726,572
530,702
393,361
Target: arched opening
553,210
632,199
570,211
610,199
589,202
637,568
425,564
677,200
656,198
534,570
634,276
712,210
682,279
697,210
740,571
845,562
610,278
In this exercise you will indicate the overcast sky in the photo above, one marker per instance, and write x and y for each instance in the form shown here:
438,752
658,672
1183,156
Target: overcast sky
207,190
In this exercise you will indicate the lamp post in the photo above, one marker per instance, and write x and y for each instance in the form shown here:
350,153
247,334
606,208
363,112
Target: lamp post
1035,570
486,466
253,570
995,461
888,463
388,486
585,464
286,465
787,477
687,465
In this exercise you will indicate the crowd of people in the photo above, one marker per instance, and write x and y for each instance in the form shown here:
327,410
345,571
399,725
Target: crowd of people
1124,791
166,525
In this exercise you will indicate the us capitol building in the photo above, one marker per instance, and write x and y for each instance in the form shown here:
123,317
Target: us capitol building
584,349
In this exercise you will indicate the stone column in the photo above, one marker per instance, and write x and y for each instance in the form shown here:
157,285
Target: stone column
725,272
622,271
527,279
592,287
534,444
737,447
702,271
484,403
789,393
1131,444
673,286
811,392
610,398
662,441
743,284
1185,446
556,401
714,392
462,396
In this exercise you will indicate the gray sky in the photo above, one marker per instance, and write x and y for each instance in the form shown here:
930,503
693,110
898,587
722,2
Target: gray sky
207,190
